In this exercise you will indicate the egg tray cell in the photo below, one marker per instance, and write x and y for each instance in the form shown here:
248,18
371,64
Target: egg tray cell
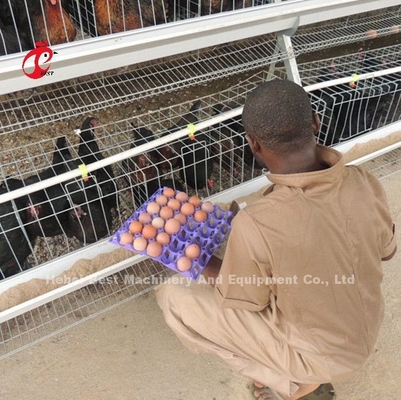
208,235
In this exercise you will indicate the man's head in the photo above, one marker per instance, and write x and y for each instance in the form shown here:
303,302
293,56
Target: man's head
278,116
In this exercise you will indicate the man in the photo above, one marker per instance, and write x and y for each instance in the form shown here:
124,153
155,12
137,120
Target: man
297,299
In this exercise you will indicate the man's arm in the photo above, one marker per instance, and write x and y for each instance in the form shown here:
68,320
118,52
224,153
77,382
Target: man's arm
390,256
212,269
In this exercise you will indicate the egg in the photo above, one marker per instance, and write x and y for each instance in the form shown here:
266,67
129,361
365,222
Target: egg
154,249
181,218
144,217
187,209
172,226
166,212
126,238
174,204
181,196
168,192
152,208
140,244
207,206
195,200
184,264
163,238
149,232
161,200
158,222
135,227
192,251
200,216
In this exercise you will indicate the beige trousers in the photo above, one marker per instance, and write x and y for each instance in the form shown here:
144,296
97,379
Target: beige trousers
241,338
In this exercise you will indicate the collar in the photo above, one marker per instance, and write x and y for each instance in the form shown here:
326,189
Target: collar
333,158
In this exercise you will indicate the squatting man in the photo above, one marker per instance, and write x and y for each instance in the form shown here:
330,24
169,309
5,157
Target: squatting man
318,218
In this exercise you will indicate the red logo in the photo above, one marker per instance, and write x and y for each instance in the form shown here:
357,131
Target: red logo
41,55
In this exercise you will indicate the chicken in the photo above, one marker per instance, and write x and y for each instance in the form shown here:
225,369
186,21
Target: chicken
15,242
348,110
123,15
230,146
192,156
88,217
142,172
11,41
89,153
217,6
47,213
48,19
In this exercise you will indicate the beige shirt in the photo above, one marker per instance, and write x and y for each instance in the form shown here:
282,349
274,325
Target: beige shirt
308,257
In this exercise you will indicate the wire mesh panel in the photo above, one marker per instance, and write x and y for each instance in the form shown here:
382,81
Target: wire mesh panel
78,306
349,110
94,93
76,212
352,29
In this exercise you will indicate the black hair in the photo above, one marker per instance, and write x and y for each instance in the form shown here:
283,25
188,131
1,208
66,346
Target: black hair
279,113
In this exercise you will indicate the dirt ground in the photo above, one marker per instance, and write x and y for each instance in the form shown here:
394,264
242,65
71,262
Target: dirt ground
129,353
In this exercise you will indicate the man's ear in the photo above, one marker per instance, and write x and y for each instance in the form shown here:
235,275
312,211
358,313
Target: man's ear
315,123
253,142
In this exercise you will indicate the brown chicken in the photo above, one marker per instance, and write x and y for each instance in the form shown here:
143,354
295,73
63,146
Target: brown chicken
60,28
48,18
123,15
217,6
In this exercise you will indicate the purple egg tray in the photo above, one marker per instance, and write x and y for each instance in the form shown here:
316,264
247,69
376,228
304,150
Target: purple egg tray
208,235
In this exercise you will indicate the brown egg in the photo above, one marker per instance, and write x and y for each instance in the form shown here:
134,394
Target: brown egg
192,251
149,232
184,264
174,204
195,200
372,33
163,238
168,192
158,222
200,216
154,249
172,226
207,206
161,200
187,209
181,218
126,238
152,208
144,217
140,244
166,212
181,196
135,227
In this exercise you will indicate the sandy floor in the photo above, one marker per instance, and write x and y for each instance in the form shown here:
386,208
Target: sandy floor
129,353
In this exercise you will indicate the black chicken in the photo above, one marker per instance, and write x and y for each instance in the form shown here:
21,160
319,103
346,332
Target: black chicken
89,219
11,41
193,157
16,244
230,145
47,213
142,172
89,153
